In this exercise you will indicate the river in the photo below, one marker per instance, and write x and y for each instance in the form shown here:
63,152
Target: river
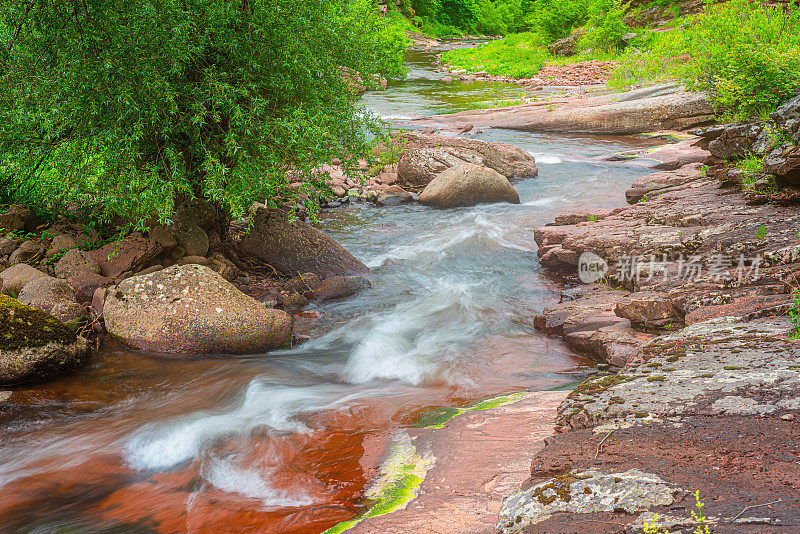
287,442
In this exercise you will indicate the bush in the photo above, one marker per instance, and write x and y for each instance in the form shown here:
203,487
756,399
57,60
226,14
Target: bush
606,26
129,105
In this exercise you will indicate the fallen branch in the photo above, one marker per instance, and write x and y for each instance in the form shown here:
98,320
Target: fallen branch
601,444
746,508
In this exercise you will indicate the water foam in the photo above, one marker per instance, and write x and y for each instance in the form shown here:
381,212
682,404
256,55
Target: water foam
274,407
225,475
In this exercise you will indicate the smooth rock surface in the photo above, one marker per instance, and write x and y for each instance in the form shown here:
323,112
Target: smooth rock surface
468,185
296,247
16,277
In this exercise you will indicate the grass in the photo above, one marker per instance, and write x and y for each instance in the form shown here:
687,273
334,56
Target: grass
794,315
746,55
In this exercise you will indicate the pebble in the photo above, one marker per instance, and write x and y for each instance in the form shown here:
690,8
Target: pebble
788,417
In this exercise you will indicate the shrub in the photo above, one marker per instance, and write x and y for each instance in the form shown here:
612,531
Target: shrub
128,105
606,26
521,55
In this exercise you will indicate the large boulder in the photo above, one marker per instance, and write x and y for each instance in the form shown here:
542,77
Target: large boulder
46,293
18,218
131,254
467,185
75,263
736,141
17,277
35,346
426,156
190,309
295,247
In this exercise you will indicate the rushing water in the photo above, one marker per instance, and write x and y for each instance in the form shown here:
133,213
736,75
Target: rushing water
288,441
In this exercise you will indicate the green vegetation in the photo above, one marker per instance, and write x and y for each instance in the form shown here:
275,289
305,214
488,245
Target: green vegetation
701,527
794,315
401,476
439,417
744,53
126,107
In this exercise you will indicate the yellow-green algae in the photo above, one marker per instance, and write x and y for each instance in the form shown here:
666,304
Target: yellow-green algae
401,476
439,417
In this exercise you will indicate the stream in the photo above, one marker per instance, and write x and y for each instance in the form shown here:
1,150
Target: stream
287,442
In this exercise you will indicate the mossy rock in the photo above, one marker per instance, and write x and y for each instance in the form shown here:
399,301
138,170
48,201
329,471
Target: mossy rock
34,345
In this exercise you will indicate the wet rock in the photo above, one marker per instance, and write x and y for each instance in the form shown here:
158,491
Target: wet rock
35,346
85,285
19,218
28,252
45,293
663,107
393,195
294,300
426,156
295,247
16,277
338,287
191,309
75,263
132,254
468,185
585,492
581,215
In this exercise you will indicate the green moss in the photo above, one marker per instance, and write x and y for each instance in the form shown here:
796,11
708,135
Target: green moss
731,367
439,417
598,385
401,476
655,379
641,415
23,326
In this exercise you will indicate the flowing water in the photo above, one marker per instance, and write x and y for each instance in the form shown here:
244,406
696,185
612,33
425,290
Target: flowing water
289,441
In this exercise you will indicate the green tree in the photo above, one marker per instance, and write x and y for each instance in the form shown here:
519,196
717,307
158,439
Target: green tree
127,106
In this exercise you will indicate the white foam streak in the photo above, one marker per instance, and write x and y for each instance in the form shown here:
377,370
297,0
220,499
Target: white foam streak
164,445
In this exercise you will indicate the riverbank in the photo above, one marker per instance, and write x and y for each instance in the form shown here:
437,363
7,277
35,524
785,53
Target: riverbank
693,319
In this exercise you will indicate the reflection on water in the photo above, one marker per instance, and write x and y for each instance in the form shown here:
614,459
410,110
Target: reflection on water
287,441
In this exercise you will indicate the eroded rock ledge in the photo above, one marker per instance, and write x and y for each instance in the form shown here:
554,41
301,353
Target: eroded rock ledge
704,393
